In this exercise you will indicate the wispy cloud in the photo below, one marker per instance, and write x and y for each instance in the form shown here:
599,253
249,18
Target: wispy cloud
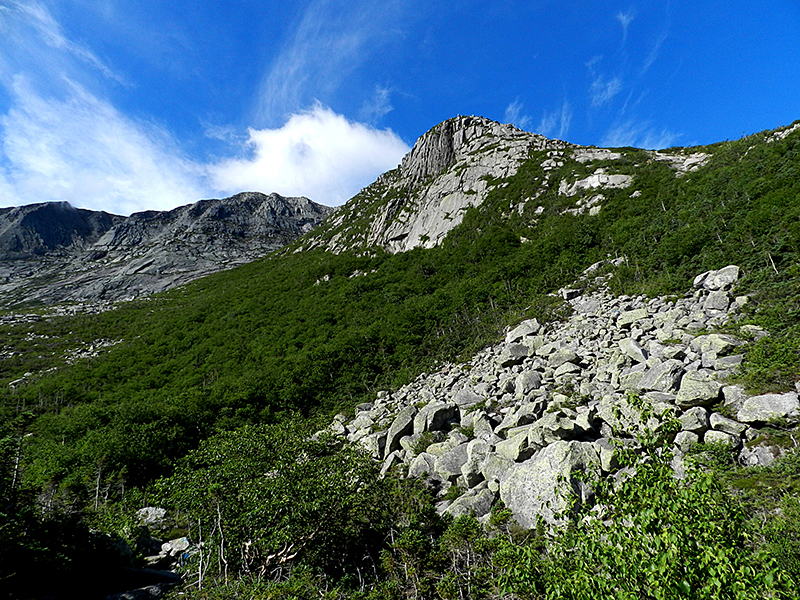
62,140
332,40
376,107
625,19
603,89
640,134
514,115
32,39
82,150
654,52
316,153
556,123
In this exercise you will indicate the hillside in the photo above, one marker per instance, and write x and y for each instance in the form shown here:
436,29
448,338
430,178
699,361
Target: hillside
203,398
53,253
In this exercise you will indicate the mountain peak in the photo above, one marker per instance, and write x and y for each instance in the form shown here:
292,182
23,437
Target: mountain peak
52,252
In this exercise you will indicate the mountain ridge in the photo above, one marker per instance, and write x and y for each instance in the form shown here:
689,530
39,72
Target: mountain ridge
53,252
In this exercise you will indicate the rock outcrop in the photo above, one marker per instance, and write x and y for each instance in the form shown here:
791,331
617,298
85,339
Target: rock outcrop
53,252
454,167
534,418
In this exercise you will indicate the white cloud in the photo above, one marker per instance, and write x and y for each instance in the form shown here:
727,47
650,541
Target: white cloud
62,141
625,19
514,115
333,39
377,107
316,153
640,135
50,31
80,149
33,42
556,123
654,53
603,90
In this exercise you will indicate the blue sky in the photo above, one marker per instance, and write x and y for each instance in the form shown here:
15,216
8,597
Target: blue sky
124,105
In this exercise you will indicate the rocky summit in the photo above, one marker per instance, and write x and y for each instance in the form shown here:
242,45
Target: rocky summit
454,166
52,253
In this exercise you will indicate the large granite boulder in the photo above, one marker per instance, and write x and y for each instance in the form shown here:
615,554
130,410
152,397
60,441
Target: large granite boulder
770,407
550,482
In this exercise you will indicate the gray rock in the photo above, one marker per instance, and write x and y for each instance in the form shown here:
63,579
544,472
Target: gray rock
435,416
512,354
630,379
92,256
566,369
466,398
716,301
523,330
392,459
375,444
402,425
552,427
496,467
152,516
608,453
759,456
684,440
546,484
695,420
477,451
663,377
727,425
527,382
633,350
715,344
627,417
632,316
698,388
422,465
515,449
722,279
524,415
733,397
478,504
770,407
448,465
720,437
560,357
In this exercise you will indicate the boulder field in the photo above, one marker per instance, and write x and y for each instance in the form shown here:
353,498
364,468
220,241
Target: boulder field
533,419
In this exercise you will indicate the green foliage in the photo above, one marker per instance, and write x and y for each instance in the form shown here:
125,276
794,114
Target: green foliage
262,499
656,537
207,377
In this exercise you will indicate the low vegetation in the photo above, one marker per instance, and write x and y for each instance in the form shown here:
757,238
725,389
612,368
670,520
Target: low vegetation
209,398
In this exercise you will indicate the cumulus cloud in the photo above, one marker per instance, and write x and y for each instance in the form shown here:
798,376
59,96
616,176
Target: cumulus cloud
316,153
82,150
556,123
514,115
61,139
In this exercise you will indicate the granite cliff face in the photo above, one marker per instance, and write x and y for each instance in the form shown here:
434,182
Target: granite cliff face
456,165
52,252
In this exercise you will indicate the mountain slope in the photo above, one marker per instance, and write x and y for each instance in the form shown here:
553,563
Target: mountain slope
346,316
454,167
53,253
